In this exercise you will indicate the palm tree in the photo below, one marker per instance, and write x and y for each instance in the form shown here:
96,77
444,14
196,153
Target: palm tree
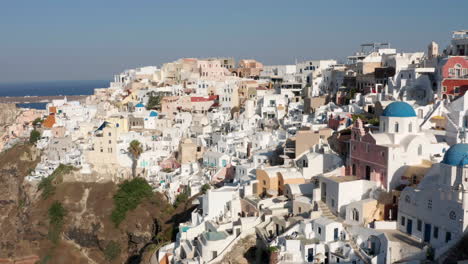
134,151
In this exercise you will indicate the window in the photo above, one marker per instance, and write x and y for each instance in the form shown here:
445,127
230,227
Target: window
420,113
333,203
109,134
410,127
396,127
420,150
419,225
457,89
436,232
403,220
448,237
300,210
355,215
320,231
429,204
458,70
452,215
444,88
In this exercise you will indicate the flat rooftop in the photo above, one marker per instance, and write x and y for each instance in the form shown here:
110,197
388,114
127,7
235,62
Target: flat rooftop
342,178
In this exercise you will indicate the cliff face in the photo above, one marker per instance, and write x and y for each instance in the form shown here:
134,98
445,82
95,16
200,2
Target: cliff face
8,114
87,229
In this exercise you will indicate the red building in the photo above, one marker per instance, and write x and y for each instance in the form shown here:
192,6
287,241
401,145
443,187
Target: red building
454,77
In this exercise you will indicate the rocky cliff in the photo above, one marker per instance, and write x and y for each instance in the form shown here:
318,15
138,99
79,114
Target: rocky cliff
88,235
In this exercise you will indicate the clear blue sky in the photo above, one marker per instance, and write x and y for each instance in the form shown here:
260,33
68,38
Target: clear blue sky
93,39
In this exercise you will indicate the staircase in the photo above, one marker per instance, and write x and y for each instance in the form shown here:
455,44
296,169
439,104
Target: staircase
356,248
328,214
326,211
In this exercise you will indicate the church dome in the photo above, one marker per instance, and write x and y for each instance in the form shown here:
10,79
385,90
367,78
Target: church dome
153,114
456,155
139,105
399,109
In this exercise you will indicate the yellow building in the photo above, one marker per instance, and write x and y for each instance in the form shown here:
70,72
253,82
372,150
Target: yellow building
272,181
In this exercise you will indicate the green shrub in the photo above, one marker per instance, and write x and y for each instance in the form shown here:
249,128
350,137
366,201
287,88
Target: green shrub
56,215
205,188
112,250
272,249
128,197
182,197
154,102
34,136
47,184
47,187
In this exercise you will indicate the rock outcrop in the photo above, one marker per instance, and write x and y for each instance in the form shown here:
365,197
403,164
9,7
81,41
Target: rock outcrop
87,229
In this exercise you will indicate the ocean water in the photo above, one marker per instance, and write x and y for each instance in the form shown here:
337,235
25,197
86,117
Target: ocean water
50,88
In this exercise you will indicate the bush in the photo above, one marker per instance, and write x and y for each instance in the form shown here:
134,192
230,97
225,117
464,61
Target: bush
47,184
154,102
272,249
56,215
112,251
34,136
128,197
205,188
182,197
47,187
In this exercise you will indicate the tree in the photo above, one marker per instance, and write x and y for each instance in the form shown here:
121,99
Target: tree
135,150
154,102
37,121
34,136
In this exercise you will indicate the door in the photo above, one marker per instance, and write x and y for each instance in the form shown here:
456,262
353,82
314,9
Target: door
335,234
324,192
368,172
427,232
310,254
409,226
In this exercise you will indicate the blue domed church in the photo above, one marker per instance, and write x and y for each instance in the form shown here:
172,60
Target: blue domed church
436,211
383,156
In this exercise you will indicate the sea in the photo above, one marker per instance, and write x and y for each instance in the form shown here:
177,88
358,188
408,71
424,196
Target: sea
50,88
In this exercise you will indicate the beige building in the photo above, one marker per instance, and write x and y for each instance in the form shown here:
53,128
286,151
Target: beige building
120,123
188,152
103,148
306,139
312,103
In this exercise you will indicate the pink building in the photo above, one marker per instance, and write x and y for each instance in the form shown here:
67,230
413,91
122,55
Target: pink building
173,104
249,69
367,159
212,69
383,157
